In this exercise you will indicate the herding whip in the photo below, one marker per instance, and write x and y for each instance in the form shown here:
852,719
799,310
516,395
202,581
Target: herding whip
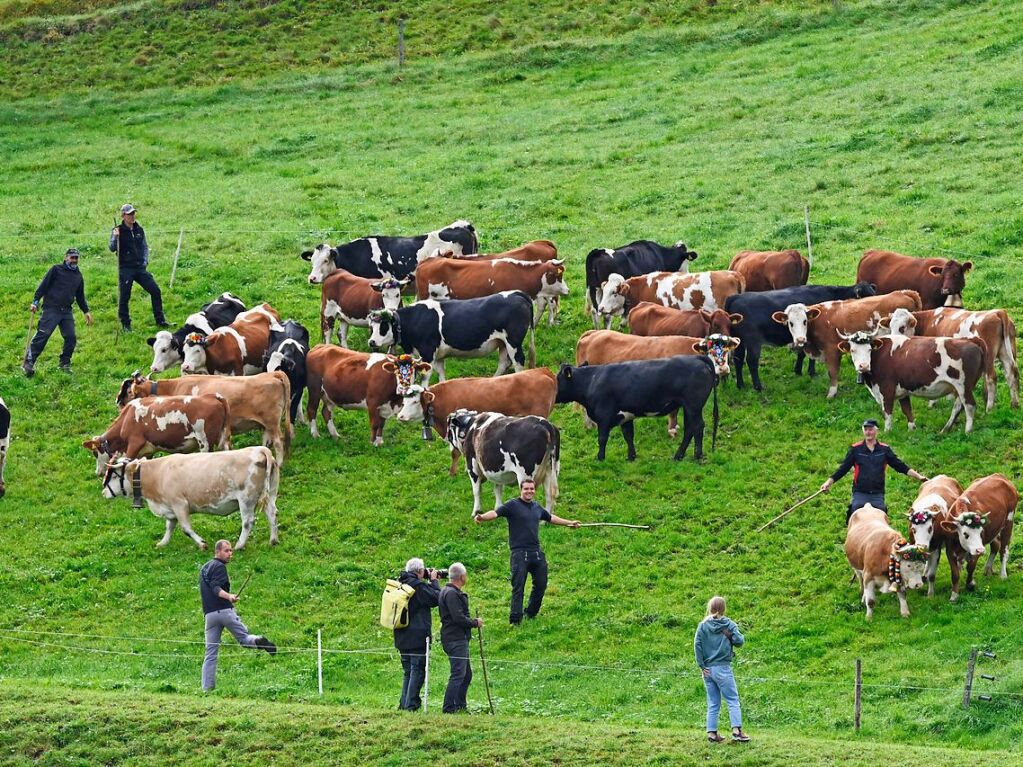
613,524
791,508
483,662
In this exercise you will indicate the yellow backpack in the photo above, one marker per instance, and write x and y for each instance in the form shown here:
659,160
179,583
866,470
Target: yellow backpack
394,605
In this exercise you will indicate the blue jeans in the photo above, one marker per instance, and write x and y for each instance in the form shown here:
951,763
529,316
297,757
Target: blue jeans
859,500
414,665
721,684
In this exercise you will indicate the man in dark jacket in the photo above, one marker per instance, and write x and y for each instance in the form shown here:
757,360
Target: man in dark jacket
62,286
128,240
411,640
455,630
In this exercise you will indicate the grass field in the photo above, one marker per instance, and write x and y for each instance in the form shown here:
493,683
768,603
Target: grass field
898,128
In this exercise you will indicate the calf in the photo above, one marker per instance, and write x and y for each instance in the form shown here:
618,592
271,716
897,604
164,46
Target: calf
994,327
530,392
286,352
928,511
613,395
649,319
771,269
256,402
895,367
177,486
445,278
475,327
175,424
880,557
699,290
819,329
356,381
5,441
350,299
169,348
981,516
939,281
505,450
238,349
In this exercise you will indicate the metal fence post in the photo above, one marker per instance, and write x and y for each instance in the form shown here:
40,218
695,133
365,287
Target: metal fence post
969,677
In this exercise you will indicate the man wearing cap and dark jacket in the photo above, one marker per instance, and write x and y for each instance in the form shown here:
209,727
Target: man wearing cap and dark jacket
62,286
411,640
868,459
128,240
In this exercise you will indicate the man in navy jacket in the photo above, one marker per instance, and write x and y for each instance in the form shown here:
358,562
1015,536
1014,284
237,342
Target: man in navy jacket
62,287
411,640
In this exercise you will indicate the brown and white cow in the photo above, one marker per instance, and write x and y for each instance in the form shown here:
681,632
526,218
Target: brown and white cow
939,281
349,300
177,486
528,392
771,269
981,516
696,290
175,424
897,367
649,319
994,327
256,402
354,380
446,278
882,559
928,511
819,328
237,349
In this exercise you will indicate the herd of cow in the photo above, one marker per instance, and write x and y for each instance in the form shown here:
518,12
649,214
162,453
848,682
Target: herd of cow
902,323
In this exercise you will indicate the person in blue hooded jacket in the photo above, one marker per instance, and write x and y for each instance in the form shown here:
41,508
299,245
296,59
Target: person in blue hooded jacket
715,637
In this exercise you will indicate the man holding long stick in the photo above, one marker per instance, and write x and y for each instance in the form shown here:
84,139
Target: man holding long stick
456,627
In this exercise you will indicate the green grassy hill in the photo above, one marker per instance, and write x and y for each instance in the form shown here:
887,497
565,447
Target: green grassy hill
898,128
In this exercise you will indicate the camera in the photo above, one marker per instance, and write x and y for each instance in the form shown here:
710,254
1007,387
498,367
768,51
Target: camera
440,573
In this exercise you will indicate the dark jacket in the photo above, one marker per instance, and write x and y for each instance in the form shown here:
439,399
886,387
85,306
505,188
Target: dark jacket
869,466
412,638
455,623
61,286
712,646
212,578
132,250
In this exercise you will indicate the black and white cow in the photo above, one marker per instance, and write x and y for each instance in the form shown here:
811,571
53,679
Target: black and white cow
757,327
397,257
5,441
473,327
286,351
505,450
613,395
168,348
632,260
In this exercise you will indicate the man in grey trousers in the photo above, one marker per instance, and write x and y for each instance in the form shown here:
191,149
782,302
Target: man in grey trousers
218,603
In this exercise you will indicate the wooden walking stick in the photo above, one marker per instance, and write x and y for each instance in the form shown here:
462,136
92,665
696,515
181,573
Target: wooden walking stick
245,583
791,508
613,524
483,662
28,339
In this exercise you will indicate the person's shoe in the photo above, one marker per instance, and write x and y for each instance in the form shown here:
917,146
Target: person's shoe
265,644
125,328
739,736
163,324
28,368
713,737
65,367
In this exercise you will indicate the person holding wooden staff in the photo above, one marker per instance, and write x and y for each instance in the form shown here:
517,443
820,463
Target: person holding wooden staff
128,241
456,627
527,558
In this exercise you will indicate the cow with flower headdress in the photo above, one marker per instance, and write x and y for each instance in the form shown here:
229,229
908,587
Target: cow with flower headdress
235,349
925,516
982,516
882,559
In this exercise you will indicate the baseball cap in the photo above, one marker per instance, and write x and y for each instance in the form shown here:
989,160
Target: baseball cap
870,422
72,253
127,208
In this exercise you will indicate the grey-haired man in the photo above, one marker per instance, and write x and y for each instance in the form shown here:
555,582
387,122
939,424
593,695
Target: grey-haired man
128,240
62,287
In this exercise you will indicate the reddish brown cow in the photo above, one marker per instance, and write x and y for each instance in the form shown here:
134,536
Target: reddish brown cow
601,347
237,349
821,327
529,392
536,250
981,516
695,290
928,511
649,319
994,327
771,269
356,381
176,424
939,281
350,299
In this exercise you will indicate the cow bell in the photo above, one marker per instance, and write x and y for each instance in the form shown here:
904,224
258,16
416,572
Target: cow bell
427,433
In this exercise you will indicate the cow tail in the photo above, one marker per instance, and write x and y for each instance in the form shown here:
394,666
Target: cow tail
532,332
714,434
552,490
225,433
271,481
288,428
591,277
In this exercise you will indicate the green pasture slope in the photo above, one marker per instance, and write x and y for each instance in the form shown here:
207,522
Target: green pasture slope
899,127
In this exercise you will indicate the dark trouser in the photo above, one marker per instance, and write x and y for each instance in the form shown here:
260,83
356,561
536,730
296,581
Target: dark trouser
859,500
414,664
126,278
50,321
460,678
533,563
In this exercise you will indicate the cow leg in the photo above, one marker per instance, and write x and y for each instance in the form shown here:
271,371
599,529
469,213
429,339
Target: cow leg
990,384
248,515
738,360
550,485
553,307
437,365
964,400
869,597
171,523
328,416
603,432
833,360
907,410
903,604
477,484
971,567
993,549
342,333
185,520
932,570
673,424
692,427
955,567
1006,538
1010,369
376,425
270,501
453,470
326,327
503,362
753,355
629,432
314,389
498,493
275,441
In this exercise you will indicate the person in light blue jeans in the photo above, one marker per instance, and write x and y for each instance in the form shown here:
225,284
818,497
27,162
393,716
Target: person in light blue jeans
715,637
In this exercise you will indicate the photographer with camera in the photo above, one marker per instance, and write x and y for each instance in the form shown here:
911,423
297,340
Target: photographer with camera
411,640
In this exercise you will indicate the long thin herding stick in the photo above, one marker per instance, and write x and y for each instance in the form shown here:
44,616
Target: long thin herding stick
248,578
483,662
613,524
791,508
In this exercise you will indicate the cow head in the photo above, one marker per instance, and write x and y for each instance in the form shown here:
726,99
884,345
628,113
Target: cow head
797,318
101,450
194,354
458,428
926,513
859,346
415,404
322,263
286,356
405,367
115,478
717,346
720,321
953,280
384,329
566,384
968,526
907,565
901,323
390,291
864,290
166,351
612,295
552,283
132,388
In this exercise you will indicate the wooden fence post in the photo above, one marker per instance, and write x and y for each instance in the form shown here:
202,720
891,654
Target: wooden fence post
809,242
859,693
174,268
401,42
319,660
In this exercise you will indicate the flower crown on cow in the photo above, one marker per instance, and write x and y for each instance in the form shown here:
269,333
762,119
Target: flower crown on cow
912,553
920,517
404,359
195,338
971,519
